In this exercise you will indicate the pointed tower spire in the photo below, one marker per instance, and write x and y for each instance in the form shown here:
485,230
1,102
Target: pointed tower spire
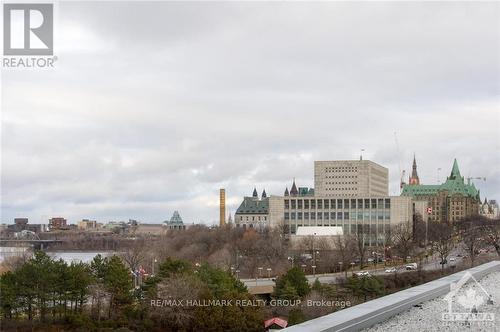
286,192
414,175
455,172
294,191
264,195
255,195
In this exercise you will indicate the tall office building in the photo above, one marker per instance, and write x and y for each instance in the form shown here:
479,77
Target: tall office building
222,204
350,178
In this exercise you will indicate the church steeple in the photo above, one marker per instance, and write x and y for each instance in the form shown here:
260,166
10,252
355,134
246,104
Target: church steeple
255,195
264,195
414,175
286,192
294,191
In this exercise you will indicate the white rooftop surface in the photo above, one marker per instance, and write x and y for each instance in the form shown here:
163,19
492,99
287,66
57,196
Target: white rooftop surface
366,315
429,316
319,230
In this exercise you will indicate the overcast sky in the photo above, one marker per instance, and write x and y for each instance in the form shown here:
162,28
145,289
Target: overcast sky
153,107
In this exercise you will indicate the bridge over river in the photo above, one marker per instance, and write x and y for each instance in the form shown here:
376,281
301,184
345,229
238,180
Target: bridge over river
35,243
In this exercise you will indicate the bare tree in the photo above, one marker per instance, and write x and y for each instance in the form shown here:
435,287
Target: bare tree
493,234
360,240
473,232
135,253
345,247
442,239
402,240
180,289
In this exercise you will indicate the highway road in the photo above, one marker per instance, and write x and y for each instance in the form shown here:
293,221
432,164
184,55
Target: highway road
333,277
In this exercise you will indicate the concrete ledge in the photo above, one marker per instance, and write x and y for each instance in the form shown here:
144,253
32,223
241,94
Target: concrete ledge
372,312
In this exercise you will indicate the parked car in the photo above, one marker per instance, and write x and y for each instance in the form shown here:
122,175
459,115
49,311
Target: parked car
362,274
411,266
452,259
390,270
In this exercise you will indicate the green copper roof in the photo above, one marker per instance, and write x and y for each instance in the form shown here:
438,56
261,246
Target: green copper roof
176,219
251,205
454,185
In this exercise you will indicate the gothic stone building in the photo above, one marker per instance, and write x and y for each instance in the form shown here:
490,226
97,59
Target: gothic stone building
448,202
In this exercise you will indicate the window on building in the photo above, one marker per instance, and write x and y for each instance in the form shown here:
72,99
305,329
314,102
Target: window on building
367,203
292,215
306,215
326,203
306,204
320,203
353,204
313,203
339,215
333,203
299,204
387,203
287,215
326,215
339,204
374,203
287,204
346,203
299,215
294,204
346,215
320,215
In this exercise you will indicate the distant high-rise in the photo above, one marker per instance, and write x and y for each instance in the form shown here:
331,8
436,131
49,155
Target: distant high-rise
222,203
57,223
350,178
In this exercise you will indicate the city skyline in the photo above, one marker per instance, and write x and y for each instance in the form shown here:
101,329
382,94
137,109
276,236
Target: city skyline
239,95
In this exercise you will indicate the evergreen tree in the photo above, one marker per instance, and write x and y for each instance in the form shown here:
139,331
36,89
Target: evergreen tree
119,285
295,278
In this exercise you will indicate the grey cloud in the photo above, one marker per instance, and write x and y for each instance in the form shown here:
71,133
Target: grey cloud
170,101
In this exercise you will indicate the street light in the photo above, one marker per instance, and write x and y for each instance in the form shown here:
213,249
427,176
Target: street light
153,267
314,252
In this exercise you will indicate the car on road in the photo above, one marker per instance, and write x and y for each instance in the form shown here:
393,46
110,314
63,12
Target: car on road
362,274
411,266
452,259
390,270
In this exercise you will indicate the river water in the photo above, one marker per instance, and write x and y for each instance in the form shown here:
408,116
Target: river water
68,256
